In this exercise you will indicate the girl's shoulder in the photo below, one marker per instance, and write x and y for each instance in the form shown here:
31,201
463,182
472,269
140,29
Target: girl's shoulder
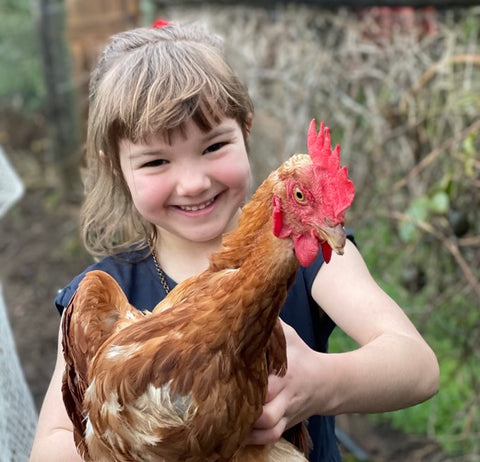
134,272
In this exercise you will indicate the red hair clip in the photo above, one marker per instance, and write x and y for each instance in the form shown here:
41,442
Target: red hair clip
161,23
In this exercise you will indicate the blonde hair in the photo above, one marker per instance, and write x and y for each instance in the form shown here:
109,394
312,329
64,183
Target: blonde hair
148,81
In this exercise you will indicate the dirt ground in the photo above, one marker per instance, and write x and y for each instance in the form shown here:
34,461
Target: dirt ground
40,252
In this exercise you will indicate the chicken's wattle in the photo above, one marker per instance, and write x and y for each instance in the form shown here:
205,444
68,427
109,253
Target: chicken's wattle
306,248
326,251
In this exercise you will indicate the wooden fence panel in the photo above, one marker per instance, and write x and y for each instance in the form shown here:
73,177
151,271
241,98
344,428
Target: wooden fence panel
89,24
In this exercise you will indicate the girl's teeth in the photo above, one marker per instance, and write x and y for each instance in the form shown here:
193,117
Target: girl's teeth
194,208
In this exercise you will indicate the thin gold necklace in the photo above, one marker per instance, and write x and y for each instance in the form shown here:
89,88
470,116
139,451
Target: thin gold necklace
161,273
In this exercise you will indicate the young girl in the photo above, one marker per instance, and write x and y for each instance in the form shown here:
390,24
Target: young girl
168,172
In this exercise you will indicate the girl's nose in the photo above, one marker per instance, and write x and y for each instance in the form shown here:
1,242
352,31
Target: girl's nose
192,181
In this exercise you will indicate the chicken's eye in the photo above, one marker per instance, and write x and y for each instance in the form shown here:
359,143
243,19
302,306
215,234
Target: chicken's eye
298,194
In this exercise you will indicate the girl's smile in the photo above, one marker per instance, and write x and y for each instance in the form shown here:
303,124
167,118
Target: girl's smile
192,185
197,207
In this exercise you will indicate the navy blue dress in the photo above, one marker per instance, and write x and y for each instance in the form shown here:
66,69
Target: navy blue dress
139,280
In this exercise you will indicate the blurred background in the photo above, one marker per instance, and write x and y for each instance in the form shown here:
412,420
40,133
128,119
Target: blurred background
399,85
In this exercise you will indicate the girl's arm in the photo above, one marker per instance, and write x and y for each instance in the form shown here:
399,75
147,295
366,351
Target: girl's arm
54,436
392,368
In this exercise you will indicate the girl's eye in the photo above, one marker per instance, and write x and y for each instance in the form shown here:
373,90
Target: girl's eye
299,195
154,163
215,147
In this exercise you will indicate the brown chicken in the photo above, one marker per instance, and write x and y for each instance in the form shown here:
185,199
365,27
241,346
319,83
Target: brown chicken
187,381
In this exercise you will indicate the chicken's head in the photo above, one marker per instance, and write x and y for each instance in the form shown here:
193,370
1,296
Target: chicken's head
310,199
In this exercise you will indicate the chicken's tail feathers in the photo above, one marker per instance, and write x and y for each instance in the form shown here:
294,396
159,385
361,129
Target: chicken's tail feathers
108,308
98,309
74,382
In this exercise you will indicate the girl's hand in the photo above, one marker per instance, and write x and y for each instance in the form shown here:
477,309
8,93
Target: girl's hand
289,398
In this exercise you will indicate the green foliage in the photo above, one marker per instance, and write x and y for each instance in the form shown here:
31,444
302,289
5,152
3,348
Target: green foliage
21,84
452,331
449,416
421,209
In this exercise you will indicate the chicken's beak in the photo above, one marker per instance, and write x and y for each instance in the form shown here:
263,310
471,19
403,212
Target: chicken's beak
334,236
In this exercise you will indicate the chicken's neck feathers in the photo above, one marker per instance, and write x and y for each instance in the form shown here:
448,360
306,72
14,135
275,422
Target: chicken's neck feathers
260,265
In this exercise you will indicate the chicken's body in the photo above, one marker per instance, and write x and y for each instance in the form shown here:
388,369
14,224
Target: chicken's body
187,382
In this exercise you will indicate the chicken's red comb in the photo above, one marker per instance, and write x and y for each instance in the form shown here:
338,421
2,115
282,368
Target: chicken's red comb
337,189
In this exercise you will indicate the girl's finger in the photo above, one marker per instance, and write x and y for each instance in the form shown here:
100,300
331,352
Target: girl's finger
273,412
275,386
267,436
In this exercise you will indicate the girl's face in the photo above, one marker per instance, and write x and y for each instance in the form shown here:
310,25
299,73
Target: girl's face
193,186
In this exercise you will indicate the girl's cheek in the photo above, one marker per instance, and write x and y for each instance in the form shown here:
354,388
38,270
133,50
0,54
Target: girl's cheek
245,178
148,192
236,174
